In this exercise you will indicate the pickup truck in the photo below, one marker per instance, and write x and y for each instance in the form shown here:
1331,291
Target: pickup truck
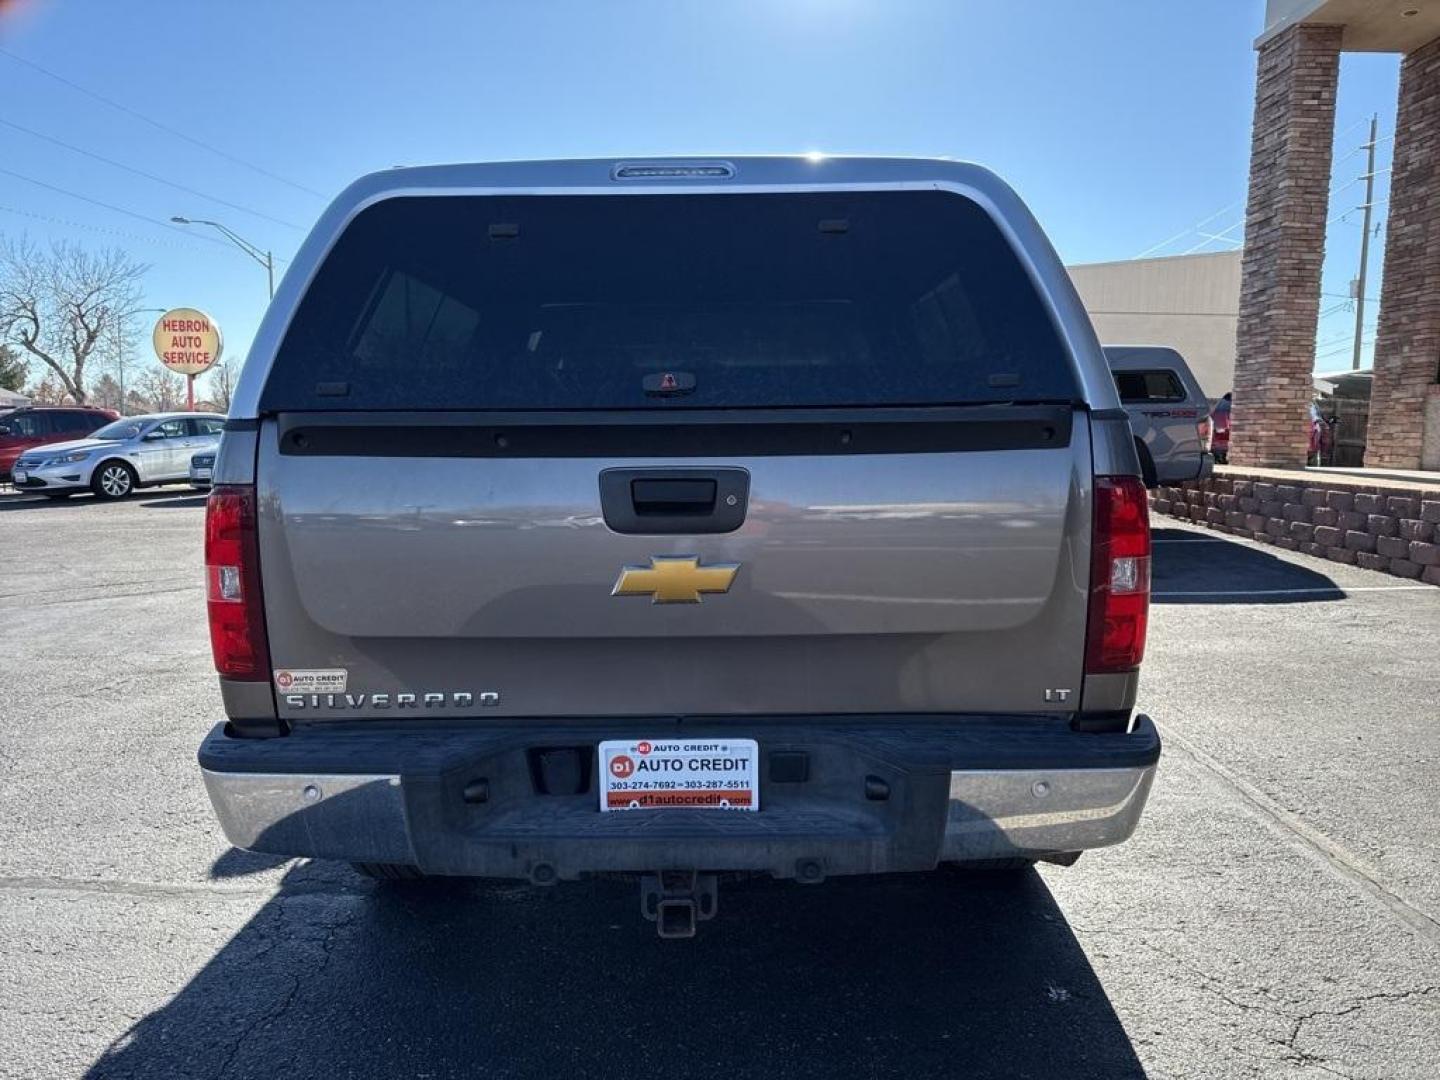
1169,412
675,519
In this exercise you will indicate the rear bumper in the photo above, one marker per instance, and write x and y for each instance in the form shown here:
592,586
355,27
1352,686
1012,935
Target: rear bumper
955,788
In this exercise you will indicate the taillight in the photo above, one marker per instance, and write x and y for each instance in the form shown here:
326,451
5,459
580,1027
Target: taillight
1119,576
232,584
1202,430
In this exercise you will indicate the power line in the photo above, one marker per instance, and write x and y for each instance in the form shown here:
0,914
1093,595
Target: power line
1347,347
107,206
1222,235
117,209
157,124
1346,131
146,175
1191,230
105,229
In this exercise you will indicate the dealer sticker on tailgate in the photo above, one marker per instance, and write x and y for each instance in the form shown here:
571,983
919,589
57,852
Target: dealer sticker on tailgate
645,774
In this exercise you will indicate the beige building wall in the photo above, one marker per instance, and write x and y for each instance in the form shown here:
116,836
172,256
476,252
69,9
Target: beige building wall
1189,302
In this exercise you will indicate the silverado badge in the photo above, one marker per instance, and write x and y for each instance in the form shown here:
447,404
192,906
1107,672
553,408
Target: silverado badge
675,579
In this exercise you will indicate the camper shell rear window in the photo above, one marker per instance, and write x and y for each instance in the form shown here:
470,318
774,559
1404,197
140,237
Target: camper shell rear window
674,302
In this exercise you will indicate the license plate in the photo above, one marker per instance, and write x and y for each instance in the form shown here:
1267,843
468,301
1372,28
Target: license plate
660,774
202,474
21,476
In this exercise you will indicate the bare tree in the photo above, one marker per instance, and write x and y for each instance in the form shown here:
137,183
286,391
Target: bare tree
163,390
136,403
59,305
221,385
106,392
48,391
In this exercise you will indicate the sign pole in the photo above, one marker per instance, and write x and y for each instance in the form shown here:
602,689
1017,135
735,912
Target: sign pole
190,393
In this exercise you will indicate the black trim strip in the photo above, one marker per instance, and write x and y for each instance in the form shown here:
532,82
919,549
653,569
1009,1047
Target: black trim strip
427,747
242,425
660,433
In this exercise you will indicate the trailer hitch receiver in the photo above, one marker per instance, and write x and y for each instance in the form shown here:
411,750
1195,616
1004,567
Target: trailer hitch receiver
675,900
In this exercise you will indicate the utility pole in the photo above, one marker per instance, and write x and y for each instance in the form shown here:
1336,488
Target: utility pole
1365,243
120,357
121,322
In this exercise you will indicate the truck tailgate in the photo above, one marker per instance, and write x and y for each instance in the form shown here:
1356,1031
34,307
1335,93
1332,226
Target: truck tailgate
932,581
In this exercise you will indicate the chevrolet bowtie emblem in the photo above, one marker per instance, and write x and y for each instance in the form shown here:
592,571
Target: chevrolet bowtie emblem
675,579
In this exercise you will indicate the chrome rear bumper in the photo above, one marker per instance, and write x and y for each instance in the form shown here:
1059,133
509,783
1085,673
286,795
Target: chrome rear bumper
998,813
418,818
362,817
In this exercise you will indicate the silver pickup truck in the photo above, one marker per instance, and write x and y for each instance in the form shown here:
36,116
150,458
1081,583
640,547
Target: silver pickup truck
676,518
1169,412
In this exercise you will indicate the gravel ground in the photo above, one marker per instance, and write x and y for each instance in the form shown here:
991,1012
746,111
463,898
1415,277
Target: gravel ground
1277,915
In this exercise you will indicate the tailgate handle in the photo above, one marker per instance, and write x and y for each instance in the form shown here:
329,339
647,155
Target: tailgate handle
659,501
682,495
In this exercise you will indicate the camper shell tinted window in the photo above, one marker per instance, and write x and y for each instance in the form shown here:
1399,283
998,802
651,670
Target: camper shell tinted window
669,301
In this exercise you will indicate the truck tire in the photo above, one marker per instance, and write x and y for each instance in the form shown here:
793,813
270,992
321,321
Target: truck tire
382,871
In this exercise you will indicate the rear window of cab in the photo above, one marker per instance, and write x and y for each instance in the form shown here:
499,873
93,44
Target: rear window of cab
669,301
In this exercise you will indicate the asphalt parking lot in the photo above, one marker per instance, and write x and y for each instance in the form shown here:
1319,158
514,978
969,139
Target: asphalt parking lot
1277,915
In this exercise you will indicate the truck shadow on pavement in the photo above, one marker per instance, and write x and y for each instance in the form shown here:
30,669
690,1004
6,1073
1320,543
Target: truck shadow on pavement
1197,569
177,501
953,973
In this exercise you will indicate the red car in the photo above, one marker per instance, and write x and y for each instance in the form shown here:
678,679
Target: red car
1321,436
24,428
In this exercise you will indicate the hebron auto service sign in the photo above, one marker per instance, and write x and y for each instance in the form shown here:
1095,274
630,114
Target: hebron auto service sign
187,341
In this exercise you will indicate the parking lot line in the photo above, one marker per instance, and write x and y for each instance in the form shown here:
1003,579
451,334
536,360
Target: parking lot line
1330,590
1311,840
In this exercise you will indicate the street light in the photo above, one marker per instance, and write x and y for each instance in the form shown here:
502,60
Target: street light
264,258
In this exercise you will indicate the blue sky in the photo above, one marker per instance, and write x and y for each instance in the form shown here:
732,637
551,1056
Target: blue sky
1121,123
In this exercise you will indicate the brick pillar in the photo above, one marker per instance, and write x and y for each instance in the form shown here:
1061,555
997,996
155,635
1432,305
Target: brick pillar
1407,349
1284,245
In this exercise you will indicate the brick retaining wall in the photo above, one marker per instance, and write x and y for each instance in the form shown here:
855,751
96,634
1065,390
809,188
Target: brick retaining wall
1394,528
